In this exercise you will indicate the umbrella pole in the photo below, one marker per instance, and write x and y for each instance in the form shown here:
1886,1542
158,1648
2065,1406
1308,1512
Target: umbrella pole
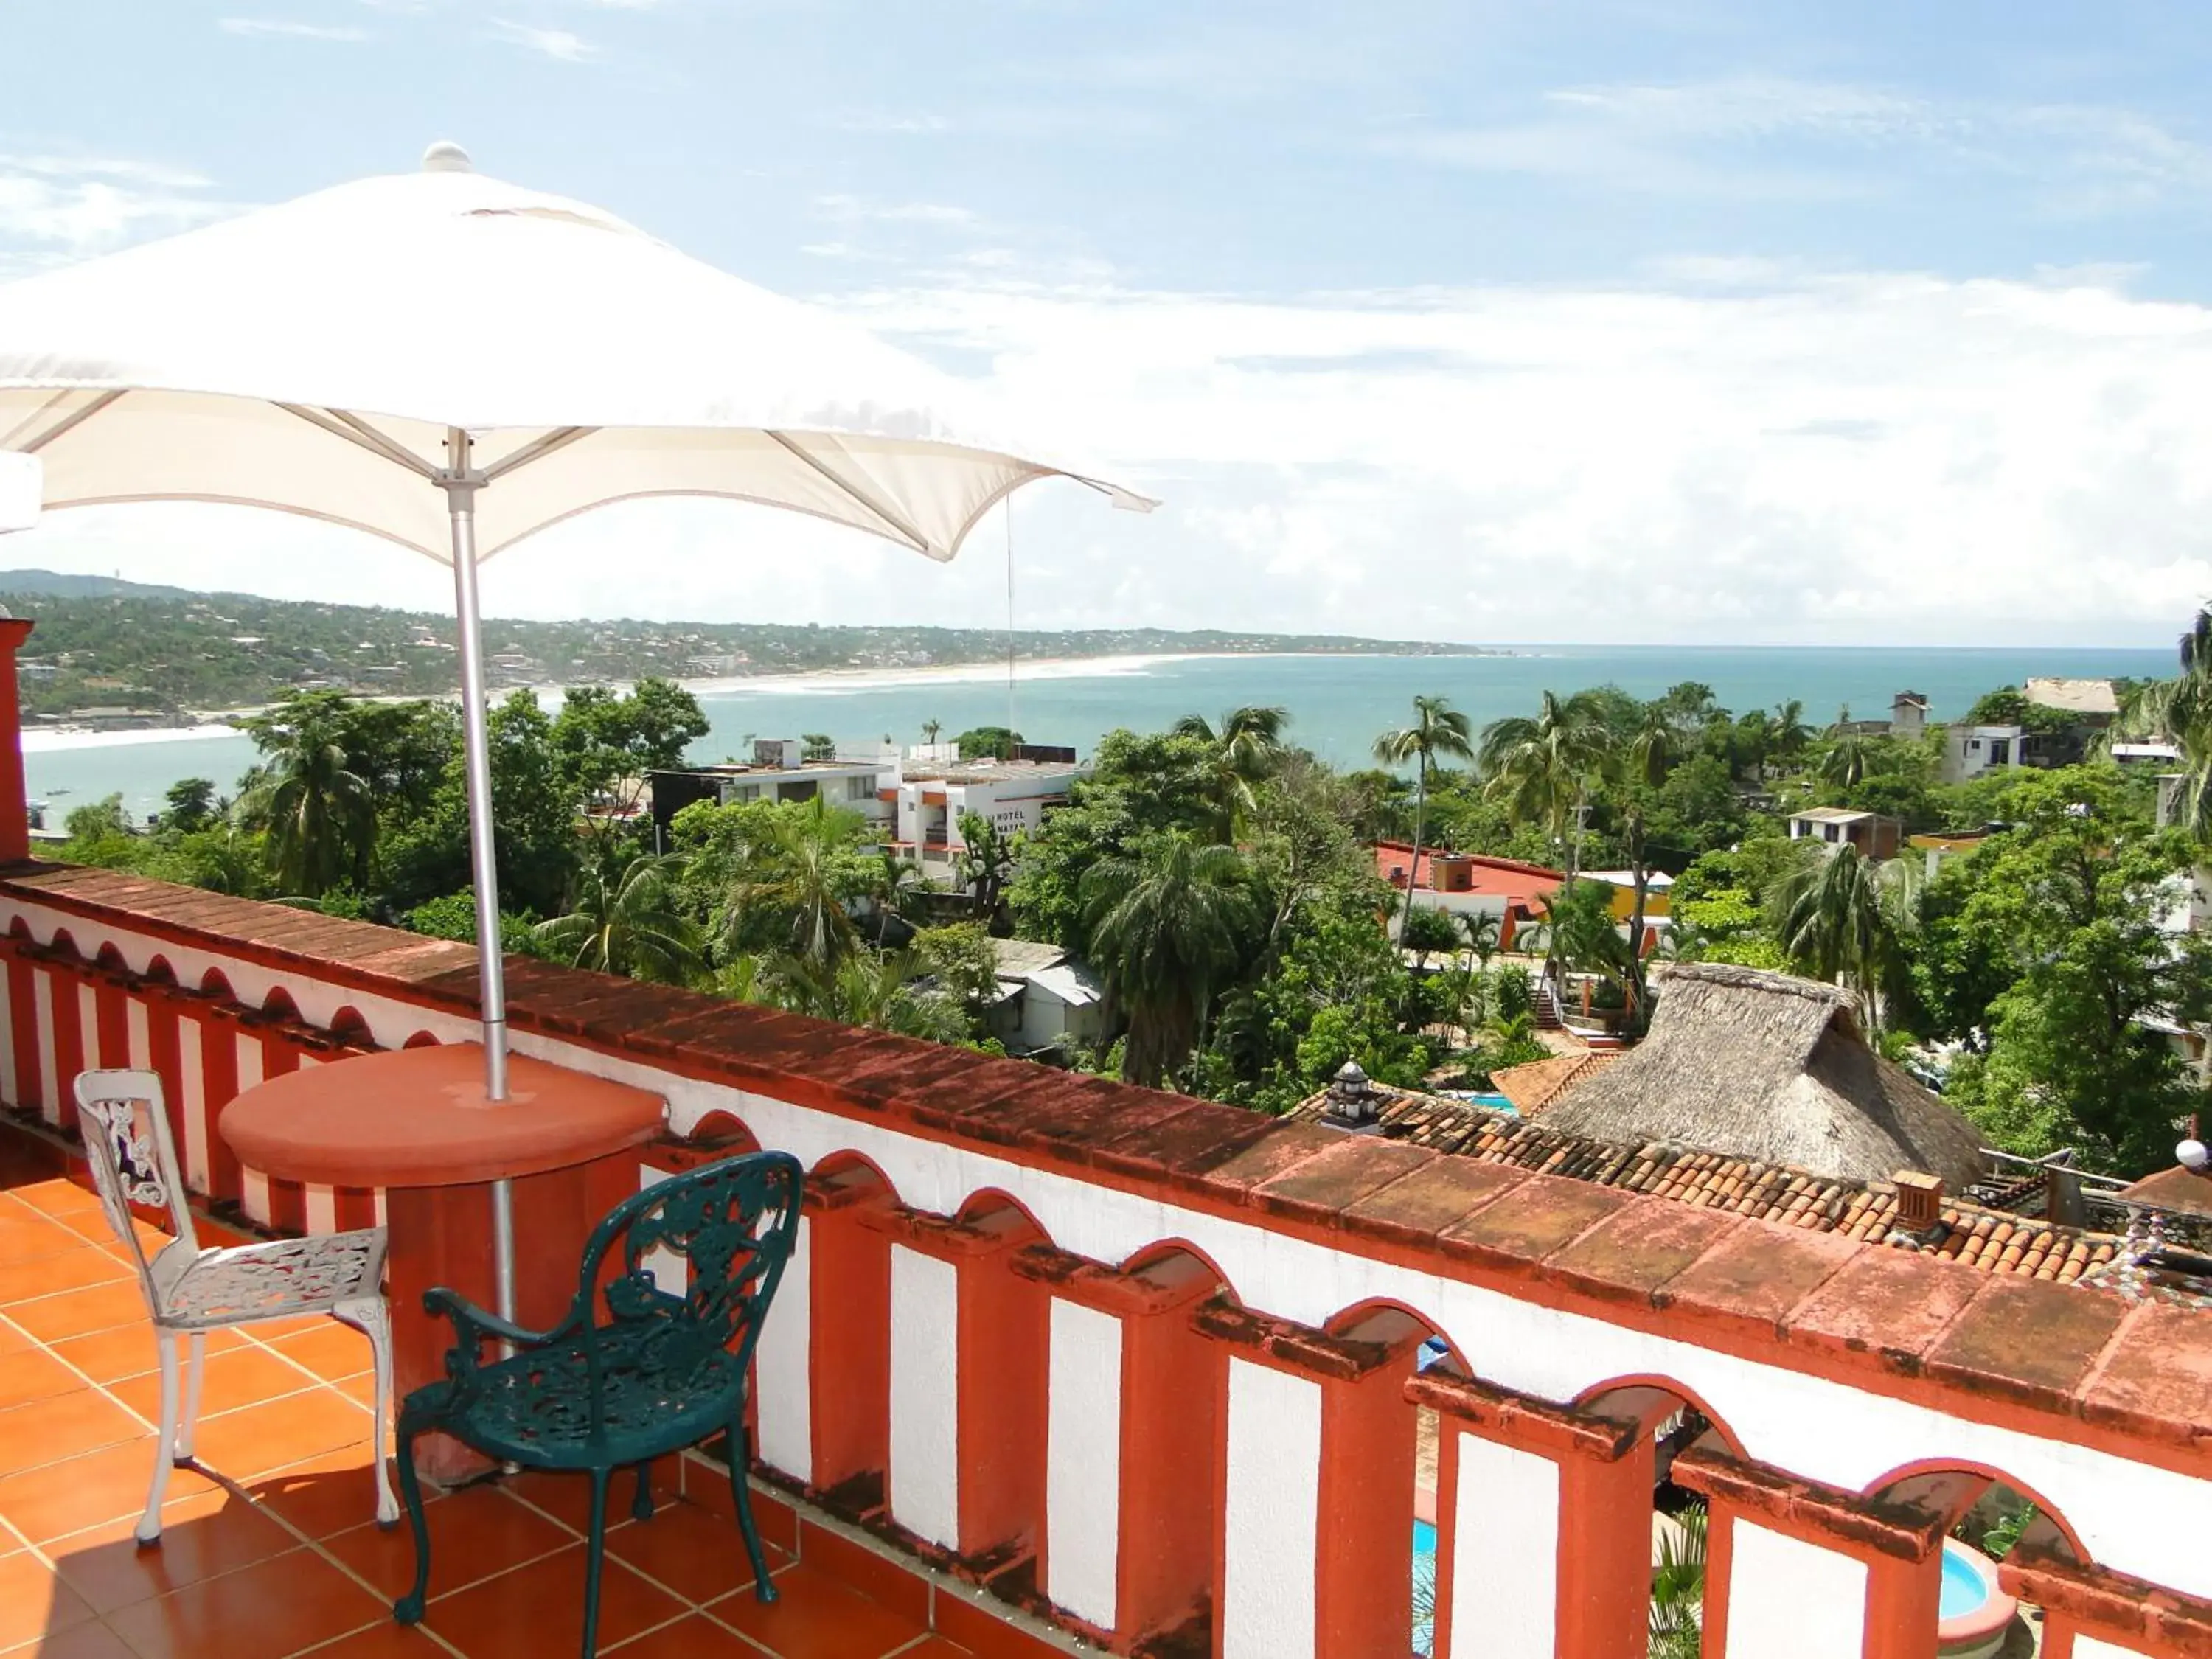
460,481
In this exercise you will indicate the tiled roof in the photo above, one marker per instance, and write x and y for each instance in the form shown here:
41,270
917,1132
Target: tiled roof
1988,1239
1533,1087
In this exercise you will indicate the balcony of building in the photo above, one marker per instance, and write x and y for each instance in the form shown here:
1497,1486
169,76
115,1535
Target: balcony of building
1059,1361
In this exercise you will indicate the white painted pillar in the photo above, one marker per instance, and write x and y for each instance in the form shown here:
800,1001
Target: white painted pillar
42,1005
1789,1597
785,1397
1505,1553
1271,1513
2090,1647
88,1030
1083,1463
11,1075
925,1389
670,1271
253,1186
190,1070
139,1034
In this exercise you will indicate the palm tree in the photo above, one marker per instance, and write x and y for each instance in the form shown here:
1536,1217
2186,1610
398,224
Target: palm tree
930,729
1787,734
1246,748
1542,767
630,923
1845,918
1678,1587
1649,755
1845,764
804,878
320,815
1438,729
1165,928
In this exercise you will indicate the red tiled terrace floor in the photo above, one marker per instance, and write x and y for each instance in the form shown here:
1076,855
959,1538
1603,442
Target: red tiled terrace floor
269,1549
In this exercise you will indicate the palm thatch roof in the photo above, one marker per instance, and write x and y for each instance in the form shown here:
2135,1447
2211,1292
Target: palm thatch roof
1769,1067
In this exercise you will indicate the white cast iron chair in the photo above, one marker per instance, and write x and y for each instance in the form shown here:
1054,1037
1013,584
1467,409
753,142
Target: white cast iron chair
189,1291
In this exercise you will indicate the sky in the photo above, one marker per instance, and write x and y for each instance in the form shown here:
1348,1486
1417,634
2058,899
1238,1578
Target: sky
1597,320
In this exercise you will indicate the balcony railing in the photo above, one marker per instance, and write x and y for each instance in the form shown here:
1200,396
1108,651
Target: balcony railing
1149,1367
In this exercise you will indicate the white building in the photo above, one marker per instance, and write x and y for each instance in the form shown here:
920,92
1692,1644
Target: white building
863,782
1013,796
1046,999
1970,750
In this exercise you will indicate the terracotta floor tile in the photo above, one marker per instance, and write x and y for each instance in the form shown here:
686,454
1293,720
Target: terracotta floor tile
202,1535
361,1390
30,1373
698,1555
76,1313
693,1638
859,1568
816,1617
63,1426
568,1496
63,1270
85,1492
108,1357
56,1195
387,1638
276,1330
90,1640
936,1648
33,1601
324,1495
274,1608
330,1350
537,1612
246,1443
11,1340
26,1236
473,1534
244,1376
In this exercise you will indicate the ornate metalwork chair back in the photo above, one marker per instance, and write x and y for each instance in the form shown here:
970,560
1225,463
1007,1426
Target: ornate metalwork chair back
124,1124
726,1230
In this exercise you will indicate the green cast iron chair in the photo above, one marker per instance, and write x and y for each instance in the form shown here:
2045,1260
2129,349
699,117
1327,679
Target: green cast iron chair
665,1371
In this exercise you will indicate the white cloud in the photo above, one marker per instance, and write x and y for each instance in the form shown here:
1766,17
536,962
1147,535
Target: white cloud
886,123
288,29
561,45
1783,456
850,210
63,206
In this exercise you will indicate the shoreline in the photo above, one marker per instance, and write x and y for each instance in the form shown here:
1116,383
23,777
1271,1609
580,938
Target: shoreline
217,723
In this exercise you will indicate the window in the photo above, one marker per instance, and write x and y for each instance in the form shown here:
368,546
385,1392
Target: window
1828,832
2000,751
1975,745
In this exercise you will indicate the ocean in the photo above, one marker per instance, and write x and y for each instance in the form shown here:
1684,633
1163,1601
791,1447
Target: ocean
1337,704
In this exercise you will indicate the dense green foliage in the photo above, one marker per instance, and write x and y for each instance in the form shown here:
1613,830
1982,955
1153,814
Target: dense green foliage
1218,879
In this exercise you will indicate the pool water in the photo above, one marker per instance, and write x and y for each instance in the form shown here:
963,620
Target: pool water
1964,1591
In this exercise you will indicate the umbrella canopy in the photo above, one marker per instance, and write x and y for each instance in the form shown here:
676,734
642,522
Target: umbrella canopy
310,356
454,363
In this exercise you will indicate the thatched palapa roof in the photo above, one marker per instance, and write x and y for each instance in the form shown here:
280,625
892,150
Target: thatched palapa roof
1772,1068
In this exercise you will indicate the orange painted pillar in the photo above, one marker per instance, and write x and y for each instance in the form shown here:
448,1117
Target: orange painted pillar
14,814
25,1062
1363,1605
65,975
848,1336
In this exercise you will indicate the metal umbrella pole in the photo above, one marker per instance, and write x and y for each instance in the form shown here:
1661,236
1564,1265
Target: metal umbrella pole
461,481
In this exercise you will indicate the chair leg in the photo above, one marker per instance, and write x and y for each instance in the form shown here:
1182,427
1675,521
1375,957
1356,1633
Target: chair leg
190,1419
370,1317
596,1548
741,1496
165,1442
640,1506
408,1609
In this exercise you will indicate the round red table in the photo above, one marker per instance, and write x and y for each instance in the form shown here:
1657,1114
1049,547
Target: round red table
414,1122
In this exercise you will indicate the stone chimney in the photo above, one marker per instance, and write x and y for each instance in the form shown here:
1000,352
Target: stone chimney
15,806
1353,1102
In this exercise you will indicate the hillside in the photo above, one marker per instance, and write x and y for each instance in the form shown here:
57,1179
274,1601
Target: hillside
113,644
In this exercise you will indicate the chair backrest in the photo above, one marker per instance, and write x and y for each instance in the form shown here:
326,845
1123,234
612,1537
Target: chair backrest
731,1223
124,1122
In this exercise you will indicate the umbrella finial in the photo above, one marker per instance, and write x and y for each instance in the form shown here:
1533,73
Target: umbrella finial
447,156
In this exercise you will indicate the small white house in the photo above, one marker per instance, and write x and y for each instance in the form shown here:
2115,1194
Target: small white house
1046,999
1970,750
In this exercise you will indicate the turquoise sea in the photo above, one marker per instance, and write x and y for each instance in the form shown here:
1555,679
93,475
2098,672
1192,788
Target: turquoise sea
1337,704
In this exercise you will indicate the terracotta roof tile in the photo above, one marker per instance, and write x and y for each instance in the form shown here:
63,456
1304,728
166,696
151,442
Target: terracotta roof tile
1988,1242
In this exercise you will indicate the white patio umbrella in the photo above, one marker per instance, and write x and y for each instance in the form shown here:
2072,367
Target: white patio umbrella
454,363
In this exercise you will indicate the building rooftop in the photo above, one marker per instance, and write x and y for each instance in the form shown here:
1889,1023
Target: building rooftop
984,771
1507,879
2074,696
1832,814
